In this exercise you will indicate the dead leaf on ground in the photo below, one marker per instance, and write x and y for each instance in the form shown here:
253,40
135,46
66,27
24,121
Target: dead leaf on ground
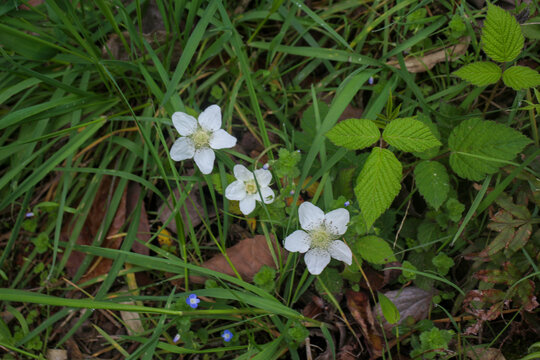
485,354
115,49
247,256
132,320
93,224
57,354
378,279
191,209
358,304
411,301
432,58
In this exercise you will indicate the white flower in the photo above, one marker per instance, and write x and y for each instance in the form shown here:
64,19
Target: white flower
320,237
245,190
199,139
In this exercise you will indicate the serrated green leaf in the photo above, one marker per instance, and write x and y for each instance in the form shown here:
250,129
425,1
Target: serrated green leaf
521,77
480,73
374,249
409,135
481,147
354,134
389,310
501,36
432,181
378,184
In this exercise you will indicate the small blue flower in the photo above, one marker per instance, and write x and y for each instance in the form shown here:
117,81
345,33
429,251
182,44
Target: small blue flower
227,335
291,192
370,80
176,338
193,301
266,166
347,203
29,214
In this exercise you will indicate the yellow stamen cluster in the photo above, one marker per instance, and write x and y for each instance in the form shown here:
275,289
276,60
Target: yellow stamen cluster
200,138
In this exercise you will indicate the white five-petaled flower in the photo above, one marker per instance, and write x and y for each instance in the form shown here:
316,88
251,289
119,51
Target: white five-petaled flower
320,237
245,189
200,138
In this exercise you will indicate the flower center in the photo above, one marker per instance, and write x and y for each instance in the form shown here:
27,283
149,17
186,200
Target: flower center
251,187
320,238
200,138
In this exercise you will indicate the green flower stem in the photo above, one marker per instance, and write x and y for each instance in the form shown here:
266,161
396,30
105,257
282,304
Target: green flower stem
534,126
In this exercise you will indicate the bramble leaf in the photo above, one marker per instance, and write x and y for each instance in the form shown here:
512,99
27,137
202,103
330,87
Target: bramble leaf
433,183
354,134
521,77
409,135
374,249
480,73
378,184
481,147
501,36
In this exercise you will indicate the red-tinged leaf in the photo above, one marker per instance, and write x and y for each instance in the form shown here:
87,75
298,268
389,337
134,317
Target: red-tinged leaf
494,276
522,235
500,242
358,304
525,292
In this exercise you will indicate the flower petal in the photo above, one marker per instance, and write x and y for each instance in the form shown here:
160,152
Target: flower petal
340,251
247,205
236,191
185,124
222,140
242,173
336,221
263,177
316,260
298,241
310,216
204,158
267,195
210,118
182,149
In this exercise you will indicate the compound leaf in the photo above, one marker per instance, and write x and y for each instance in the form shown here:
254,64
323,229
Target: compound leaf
521,77
354,134
480,73
378,184
481,147
501,36
409,135
432,181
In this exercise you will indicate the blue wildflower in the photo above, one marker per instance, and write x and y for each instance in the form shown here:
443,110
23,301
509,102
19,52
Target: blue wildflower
176,338
227,335
347,203
193,301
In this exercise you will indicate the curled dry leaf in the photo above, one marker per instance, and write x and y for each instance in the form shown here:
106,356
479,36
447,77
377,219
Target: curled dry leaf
358,304
191,209
432,58
247,256
478,353
411,301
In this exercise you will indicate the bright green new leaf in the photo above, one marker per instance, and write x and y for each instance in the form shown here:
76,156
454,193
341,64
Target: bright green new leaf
378,184
389,310
409,135
354,134
374,249
480,73
501,36
521,77
481,147
432,181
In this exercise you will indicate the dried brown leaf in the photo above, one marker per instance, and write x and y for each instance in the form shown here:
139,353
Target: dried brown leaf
485,354
411,301
430,59
247,256
358,304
